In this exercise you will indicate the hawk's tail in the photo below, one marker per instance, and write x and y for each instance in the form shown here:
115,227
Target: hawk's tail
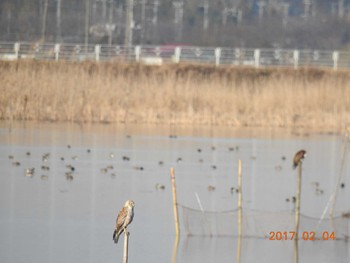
115,236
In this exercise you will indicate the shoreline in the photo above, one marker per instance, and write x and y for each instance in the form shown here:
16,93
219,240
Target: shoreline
169,130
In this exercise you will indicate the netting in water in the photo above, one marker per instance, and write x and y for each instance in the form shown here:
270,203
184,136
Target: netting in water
258,224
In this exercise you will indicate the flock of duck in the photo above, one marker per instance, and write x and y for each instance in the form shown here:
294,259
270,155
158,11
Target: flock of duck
70,168
109,169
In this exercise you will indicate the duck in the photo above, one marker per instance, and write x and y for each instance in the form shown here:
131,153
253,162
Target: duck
45,157
211,188
30,172
160,186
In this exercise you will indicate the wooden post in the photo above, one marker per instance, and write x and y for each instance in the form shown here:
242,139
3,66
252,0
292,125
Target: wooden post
176,216
126,246
297,201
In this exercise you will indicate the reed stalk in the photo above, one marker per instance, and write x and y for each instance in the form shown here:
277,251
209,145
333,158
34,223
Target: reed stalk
174,94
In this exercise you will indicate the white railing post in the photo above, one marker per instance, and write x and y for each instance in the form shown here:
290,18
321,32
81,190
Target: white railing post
237,56
16,48
57,51
97,52
217,56
137,53
257,58
177,54
335,59
296,58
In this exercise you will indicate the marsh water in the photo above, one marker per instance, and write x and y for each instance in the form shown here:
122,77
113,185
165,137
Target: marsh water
65,210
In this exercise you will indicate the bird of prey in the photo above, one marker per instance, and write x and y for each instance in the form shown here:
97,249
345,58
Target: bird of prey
298,157
124,218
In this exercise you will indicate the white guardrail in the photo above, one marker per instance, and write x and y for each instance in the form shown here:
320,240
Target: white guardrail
158,55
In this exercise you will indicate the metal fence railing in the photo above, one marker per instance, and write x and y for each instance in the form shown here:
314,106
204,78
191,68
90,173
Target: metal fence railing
175,54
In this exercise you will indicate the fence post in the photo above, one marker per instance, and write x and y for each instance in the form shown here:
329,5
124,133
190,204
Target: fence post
177,54
57,51
296,58
16,49
335,59
137,53
257,58
97,52
217,56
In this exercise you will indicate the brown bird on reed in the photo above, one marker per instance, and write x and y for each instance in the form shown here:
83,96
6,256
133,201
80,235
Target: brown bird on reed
125,217
298,157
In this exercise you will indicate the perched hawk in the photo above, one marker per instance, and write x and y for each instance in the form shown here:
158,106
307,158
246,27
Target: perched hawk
298,157
124,218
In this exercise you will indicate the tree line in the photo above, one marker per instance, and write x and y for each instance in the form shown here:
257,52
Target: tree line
302,24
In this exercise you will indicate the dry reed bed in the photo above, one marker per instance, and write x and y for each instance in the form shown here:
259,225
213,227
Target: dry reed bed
174,94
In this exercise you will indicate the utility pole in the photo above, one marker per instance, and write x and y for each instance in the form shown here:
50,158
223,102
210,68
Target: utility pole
155,12
8,21
87,21
261,5
110,22
178,5
143,24
58,21
206,11
307,8
285,13
94,10
154,20
119,19
129,22
104,10
43,26
224,16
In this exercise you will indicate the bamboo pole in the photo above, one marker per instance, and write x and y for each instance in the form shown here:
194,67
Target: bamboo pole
175,248
176,216
297,201
239,246
296,251
240,212
126,246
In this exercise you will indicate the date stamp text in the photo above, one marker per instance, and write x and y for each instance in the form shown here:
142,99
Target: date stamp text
290,235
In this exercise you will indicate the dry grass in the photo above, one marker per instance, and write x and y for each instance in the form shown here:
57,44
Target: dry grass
178,94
